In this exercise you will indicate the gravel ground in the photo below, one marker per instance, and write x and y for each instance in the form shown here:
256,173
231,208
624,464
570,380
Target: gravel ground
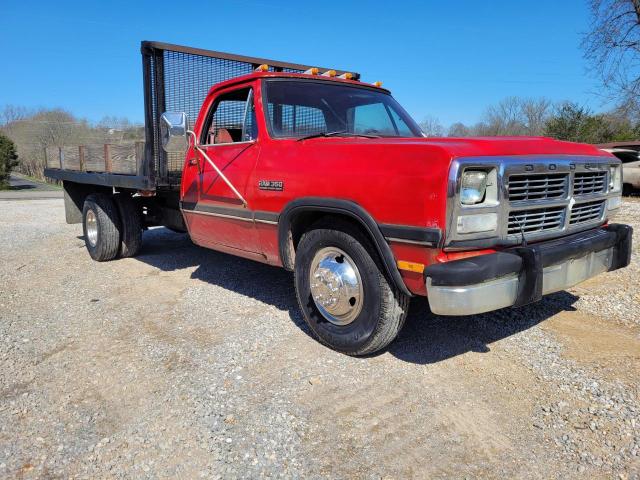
190,363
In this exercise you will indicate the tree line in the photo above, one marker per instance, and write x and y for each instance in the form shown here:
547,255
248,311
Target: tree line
515,116
32,131
25,134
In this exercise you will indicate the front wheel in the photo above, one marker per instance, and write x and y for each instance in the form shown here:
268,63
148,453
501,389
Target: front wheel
344,295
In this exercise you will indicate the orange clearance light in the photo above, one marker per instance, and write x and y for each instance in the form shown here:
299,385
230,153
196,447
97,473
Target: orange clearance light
329,73
312,71
377,84
262,68
347,76
410,266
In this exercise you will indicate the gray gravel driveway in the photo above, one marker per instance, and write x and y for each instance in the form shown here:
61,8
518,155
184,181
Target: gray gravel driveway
190,363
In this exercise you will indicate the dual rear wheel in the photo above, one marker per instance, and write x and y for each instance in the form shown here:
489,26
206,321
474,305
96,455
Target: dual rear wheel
112,226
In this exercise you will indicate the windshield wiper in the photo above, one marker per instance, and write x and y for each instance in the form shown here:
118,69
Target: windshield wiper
336,134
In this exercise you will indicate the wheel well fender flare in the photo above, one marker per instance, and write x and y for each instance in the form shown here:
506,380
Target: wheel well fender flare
341,207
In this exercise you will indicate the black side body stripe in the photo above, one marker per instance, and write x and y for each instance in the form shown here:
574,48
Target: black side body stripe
239,213
424,236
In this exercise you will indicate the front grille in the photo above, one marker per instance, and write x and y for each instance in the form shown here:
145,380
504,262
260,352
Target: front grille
537,187
536,220
587,183
586,212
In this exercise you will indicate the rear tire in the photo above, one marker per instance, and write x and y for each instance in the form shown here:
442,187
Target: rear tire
101,227
381,309
131,221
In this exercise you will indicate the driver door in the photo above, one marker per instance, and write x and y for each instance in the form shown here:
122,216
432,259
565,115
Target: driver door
214,214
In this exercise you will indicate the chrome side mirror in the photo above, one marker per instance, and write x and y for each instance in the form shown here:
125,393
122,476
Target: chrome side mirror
173,132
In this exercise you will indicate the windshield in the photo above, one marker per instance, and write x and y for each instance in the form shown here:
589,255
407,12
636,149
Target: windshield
301,108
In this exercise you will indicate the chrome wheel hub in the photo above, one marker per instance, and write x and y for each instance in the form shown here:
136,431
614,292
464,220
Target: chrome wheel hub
336,286
92,227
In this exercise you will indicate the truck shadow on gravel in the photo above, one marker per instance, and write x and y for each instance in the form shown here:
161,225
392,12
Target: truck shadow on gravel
428,338
425,338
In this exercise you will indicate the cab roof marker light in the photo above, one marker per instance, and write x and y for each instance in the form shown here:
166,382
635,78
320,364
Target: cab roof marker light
262,68
329,73
346,76
377,84
312,71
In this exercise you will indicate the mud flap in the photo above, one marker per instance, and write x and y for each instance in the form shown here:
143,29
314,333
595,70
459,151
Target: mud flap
622,249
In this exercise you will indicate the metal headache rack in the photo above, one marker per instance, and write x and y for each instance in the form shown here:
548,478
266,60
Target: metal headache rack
177,79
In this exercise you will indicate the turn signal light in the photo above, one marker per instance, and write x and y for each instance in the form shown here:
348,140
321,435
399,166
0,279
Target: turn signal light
347,76
410,266
262,68
377,84
312,71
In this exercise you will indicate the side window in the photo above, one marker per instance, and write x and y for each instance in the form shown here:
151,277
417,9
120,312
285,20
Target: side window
250,131
372,119
296,120
231,119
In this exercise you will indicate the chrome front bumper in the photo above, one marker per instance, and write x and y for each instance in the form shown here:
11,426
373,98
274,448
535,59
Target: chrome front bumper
550,271
503,292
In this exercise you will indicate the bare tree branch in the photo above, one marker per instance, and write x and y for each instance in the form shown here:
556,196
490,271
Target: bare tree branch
612,48
431,127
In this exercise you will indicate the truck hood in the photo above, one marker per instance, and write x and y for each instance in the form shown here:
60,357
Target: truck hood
401,181
498,146
477,146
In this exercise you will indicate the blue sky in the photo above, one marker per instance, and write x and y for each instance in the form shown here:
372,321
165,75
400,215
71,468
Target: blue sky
445,59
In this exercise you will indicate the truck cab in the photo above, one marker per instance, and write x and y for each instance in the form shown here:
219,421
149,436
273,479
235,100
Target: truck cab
279,138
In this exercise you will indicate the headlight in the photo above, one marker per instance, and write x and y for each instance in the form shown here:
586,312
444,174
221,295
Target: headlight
615,178
482,222
473,188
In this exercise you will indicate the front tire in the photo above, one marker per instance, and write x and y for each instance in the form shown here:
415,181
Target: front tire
101,227
342,291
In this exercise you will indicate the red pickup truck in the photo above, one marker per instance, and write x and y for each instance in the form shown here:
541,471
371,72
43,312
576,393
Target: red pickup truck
329,177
